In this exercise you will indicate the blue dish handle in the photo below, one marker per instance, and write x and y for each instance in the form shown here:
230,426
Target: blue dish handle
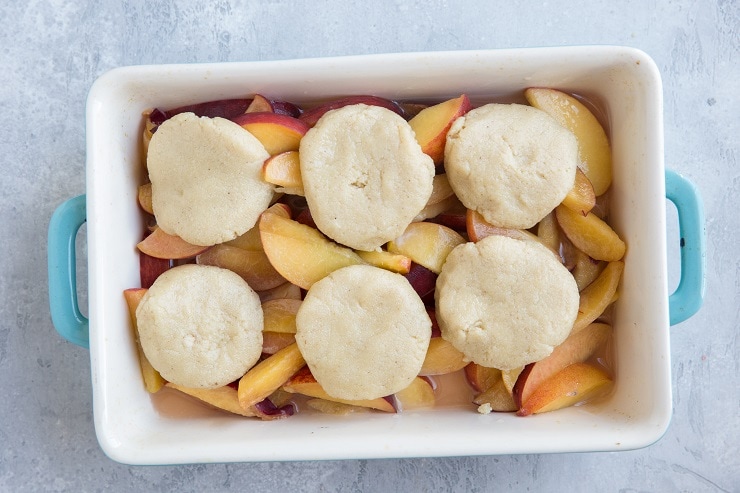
689,295
65,312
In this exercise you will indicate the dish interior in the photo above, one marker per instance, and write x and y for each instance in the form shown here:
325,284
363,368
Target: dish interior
135,428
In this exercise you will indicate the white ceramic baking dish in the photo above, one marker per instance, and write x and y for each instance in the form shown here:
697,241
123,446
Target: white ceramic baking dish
134,427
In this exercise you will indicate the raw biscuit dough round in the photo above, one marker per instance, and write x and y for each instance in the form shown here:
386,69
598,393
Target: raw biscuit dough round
364,174
200,326
505,302
206,179
364,332
512,163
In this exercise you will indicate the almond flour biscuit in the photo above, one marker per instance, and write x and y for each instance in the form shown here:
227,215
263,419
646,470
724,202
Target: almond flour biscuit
364,332
200,326
206,181
364,175
511,163
505,302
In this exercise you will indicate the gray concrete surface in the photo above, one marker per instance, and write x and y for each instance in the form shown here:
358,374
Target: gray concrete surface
52,50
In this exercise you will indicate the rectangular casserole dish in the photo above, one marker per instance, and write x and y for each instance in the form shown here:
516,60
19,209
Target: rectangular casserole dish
136,428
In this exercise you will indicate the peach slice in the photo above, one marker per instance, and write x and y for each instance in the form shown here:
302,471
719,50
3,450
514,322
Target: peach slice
279,315
165,246
287,290
481,378
151,268
223,108
301,253
591,235
548,232
510,377
432,124
224,398
269,375
479,228
593,144
144,197
278,133
260,104
394,262
581,198
335,408
284,170
153,381
598,295
311,116
304,383
455,217
427,244
411,109
577,348
497,396
431,211
419,394
572,385
249,241
441,200
149,126
253,266
421,279
585,269
442,358
272,342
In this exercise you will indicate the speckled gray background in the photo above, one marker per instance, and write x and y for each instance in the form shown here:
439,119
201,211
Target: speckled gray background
52,50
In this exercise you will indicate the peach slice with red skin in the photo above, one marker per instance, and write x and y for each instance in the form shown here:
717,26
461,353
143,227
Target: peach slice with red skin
222,108
150,268
421,279
432,124
577,348
572,385
481,378
313,115
593,144
303,382
161,245
427,244
269,375
277,133
153,381
300,253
